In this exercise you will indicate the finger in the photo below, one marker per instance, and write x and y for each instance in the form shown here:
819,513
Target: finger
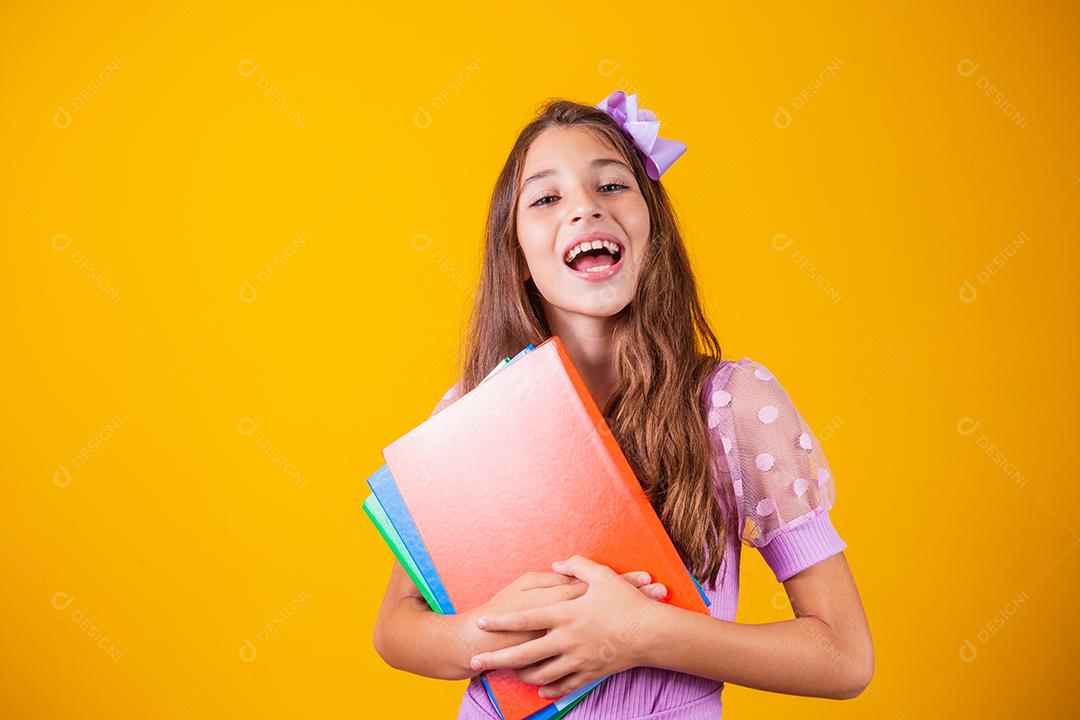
540,618
539,597
583,568
564,686
537,579
657,591
571,584
548,671
558,593
516,656
637,579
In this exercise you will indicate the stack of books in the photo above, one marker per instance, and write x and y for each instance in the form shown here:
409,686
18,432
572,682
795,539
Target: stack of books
519,472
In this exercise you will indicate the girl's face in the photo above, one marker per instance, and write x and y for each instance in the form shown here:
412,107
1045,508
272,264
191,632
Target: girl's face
576,187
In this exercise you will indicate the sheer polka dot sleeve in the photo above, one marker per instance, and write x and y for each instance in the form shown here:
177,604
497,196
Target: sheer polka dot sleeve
782,482
448,397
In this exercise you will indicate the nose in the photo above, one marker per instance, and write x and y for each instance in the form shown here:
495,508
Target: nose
586,211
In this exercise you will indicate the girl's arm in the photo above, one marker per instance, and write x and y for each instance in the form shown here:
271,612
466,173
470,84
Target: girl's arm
410,636
825,651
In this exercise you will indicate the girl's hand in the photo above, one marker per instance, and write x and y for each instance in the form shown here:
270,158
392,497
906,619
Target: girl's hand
529,591
595,634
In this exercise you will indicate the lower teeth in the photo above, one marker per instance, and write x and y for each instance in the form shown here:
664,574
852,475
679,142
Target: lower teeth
598,269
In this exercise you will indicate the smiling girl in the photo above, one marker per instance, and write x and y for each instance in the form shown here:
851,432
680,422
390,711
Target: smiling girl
582,242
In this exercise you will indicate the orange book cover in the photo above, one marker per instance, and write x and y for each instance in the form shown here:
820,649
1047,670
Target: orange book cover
522,471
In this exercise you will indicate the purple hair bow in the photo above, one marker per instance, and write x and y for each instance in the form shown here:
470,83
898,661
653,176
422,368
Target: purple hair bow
643,128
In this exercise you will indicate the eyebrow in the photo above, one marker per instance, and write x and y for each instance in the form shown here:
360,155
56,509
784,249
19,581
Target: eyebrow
599,162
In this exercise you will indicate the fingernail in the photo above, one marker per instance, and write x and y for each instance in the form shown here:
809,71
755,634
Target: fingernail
659,592
475,664
481,623
643,577
544,693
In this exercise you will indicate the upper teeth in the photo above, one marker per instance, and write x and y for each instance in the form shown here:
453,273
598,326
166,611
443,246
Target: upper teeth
594,245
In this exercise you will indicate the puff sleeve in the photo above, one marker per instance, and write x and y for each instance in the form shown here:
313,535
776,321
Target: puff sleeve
782,483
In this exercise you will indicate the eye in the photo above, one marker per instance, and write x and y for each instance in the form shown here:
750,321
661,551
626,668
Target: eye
615,184
540,203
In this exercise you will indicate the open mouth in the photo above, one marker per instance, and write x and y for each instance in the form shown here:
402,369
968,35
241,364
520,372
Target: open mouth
593,257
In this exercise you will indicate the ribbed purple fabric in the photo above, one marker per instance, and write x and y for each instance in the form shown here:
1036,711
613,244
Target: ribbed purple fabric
658,694
801,547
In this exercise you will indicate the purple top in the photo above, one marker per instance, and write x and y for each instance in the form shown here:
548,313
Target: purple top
783,489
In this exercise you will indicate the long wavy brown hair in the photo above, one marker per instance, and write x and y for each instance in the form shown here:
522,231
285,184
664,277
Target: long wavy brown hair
663,347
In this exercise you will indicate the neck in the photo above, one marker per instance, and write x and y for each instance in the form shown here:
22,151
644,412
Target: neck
587,340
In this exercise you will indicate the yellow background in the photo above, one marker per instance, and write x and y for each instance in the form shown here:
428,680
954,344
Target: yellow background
240,242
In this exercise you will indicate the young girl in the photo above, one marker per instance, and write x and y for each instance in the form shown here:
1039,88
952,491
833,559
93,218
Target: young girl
582,242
